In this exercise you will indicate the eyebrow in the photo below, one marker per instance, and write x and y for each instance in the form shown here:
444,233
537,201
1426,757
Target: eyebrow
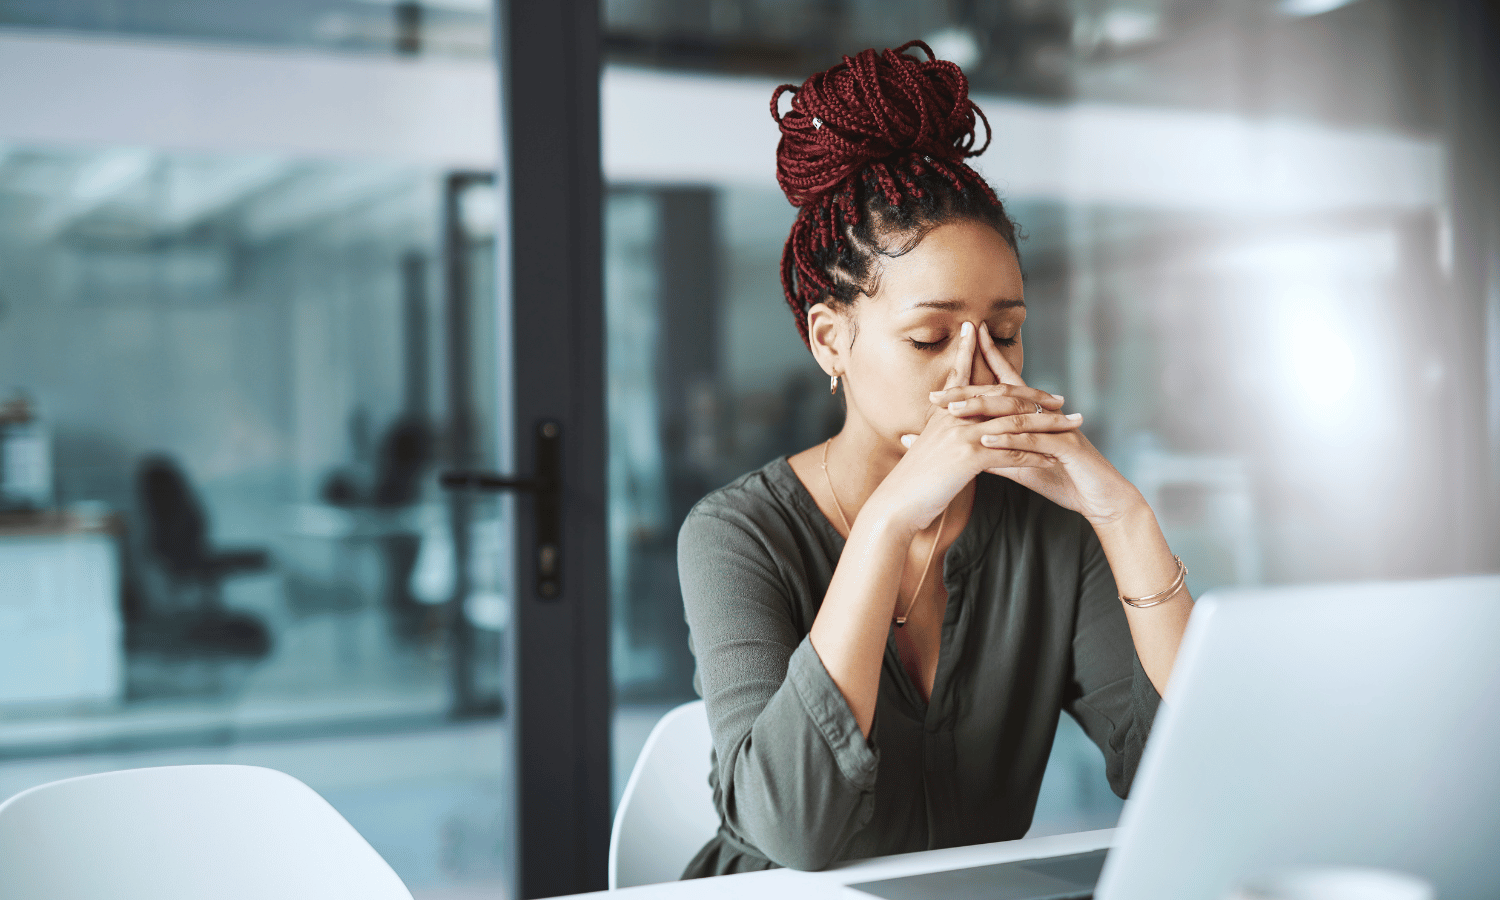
958,305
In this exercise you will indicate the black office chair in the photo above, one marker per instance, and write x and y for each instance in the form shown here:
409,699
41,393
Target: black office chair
177,539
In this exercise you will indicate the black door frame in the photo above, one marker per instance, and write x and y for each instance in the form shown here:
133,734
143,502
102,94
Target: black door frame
560,683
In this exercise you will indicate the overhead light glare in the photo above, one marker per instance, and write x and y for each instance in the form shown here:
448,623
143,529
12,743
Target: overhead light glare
957,45
1322,361
1303,8
1127,26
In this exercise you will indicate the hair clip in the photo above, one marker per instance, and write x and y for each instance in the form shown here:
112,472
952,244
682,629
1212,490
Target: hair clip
817,123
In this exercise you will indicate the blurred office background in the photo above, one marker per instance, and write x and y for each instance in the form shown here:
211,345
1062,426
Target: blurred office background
248,311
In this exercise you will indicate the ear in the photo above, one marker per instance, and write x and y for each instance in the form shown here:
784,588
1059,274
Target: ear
826,329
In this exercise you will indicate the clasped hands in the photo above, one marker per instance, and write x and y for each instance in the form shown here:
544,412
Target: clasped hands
1017,432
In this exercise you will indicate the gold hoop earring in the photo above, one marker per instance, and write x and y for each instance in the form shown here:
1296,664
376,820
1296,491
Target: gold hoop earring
833,385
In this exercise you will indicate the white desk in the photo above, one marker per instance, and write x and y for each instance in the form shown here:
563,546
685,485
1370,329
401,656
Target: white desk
785,884
60,629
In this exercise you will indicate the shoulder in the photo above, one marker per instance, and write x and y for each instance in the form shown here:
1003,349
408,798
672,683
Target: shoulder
766,497
760,507
750,548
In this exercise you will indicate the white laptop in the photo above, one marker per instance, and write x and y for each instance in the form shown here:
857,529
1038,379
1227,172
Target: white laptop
1332,725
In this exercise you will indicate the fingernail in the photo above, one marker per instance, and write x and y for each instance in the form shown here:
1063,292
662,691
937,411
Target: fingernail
989,440
934,395
957,405
967,329
907,440
1058,397
1075,417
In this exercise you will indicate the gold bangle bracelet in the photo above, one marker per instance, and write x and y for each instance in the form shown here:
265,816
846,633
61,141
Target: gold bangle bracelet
1160,596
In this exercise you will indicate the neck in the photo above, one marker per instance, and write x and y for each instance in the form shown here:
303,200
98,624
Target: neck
858,461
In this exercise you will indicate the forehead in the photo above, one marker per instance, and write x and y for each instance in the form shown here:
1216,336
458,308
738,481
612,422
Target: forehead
958,266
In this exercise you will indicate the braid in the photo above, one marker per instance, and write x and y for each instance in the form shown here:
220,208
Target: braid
874,148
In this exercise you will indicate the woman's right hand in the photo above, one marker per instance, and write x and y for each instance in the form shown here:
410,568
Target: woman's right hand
947,454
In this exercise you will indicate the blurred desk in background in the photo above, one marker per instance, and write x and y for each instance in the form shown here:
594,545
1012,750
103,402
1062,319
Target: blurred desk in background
346,555
60,626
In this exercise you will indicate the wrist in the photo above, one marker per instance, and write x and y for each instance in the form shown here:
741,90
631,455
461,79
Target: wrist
1131,512
1129,518
884,514
881,523
1137,551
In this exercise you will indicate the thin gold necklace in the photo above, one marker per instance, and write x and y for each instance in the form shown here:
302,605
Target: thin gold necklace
899,620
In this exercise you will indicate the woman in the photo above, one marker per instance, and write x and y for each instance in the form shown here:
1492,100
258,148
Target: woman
888,624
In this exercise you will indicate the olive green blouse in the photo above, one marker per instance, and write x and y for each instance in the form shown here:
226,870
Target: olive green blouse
1032,627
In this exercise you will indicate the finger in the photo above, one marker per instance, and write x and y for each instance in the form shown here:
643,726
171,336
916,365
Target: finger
1052,446
996,360
969,392
1029,423
1015,459
990,406
963,358
982,373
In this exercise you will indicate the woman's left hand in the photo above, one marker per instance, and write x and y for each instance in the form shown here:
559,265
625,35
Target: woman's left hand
1079,477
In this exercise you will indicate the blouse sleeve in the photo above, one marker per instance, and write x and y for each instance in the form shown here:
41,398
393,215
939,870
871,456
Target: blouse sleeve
795,776
1110,695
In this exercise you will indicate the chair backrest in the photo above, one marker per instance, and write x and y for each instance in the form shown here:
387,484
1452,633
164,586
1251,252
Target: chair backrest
176,523
185,833
667,812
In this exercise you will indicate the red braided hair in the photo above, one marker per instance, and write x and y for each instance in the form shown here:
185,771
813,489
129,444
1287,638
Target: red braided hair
872,147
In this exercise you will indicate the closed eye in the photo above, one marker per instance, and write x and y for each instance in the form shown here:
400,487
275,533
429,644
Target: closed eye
937,344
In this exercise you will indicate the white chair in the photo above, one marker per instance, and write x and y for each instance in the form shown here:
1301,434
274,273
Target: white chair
186,833
667,812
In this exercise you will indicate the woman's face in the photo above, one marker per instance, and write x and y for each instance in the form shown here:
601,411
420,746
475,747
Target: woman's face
897,345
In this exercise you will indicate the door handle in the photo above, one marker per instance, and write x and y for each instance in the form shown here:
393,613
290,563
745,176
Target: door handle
546,486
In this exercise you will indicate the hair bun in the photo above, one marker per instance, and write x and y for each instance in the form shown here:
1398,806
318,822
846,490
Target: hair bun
870,107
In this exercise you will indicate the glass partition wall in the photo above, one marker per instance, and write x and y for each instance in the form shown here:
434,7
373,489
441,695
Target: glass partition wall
443,28
239,371
1240,256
